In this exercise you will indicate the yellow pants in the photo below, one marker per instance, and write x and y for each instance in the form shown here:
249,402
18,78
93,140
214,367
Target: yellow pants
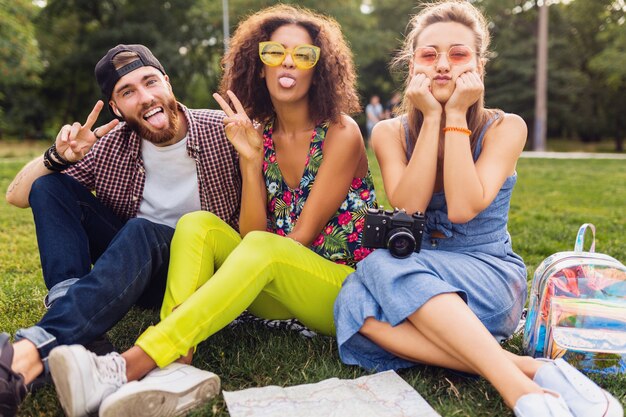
214,276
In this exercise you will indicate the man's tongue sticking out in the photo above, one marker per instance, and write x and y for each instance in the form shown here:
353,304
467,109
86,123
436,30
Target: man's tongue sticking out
157,119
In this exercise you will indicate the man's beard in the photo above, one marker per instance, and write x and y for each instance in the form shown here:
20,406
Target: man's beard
163,136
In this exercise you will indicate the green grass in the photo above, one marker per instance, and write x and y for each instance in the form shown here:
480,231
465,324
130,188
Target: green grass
572,145
14,149
552,199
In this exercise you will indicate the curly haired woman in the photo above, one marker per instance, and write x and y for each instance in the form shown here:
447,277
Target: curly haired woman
290,82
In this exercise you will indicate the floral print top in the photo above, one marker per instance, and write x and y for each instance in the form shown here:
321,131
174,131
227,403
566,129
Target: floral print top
340,239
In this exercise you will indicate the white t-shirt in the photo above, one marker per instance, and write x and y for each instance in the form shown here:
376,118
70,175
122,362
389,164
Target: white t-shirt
171,187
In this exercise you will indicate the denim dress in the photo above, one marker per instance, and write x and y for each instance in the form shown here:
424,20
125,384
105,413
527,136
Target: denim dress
474,260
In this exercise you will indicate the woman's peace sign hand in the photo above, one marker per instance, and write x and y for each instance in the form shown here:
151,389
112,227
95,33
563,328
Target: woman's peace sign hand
239,129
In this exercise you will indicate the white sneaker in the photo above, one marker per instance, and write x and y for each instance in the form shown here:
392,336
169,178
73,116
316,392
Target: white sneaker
583,396
171,391
83,379
541,405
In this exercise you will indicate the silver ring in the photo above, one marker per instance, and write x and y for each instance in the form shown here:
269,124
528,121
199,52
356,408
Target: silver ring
95,133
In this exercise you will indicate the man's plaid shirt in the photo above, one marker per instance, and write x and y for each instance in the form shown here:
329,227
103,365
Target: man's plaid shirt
114,169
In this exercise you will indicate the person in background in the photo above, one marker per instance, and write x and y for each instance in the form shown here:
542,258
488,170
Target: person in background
374,113
288,86
393,105
450,304
159,161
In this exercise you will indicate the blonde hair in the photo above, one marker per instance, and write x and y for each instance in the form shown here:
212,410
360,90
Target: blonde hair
457,11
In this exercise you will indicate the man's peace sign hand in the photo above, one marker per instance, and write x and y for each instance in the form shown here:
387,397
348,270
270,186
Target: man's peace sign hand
74,141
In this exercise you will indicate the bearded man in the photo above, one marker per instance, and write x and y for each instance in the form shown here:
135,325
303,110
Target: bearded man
101,254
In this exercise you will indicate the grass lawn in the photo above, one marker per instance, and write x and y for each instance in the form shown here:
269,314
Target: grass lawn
572,145
552,199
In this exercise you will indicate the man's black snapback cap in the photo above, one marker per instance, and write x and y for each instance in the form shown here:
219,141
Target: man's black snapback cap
108,76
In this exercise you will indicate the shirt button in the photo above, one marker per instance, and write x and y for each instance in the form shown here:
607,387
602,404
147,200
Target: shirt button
135,198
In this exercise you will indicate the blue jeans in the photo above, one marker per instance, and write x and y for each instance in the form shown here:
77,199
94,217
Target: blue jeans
75,230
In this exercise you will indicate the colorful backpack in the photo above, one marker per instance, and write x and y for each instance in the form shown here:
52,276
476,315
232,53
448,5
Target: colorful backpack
577,309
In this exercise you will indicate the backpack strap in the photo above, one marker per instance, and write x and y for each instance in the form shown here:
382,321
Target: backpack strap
580,238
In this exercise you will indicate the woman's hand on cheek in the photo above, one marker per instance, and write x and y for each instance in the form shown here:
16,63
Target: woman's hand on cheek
420,95
468,89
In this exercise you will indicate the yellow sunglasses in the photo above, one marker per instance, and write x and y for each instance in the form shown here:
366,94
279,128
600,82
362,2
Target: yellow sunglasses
303,56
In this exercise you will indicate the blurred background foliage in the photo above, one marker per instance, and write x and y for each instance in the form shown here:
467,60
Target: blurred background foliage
48,50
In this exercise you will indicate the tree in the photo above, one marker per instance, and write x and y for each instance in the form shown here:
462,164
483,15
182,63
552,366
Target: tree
610,64
580,102
510,71
585,31
75,34
67,37
20,63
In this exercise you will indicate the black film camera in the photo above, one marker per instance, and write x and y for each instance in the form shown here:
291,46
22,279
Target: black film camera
394,230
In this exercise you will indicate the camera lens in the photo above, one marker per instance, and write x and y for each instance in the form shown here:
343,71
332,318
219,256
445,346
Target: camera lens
401,242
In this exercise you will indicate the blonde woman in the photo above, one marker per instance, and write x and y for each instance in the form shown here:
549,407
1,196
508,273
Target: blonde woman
450,305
